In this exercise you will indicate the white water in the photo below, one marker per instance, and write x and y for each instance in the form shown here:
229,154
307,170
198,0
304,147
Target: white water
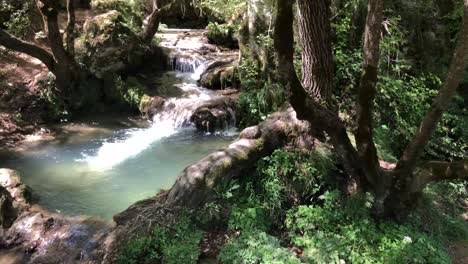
174,117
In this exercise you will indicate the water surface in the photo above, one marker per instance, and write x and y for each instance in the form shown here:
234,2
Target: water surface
66,182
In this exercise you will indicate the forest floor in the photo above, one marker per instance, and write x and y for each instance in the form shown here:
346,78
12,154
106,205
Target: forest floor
20,113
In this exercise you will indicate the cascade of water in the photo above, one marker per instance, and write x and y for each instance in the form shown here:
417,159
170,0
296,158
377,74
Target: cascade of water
175,115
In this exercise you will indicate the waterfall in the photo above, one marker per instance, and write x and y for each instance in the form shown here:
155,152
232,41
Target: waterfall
188,63
174,116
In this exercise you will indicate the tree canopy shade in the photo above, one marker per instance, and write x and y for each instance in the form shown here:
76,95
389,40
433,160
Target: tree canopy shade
394,190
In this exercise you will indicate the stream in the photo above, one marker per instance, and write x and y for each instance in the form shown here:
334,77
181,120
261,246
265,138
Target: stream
106,171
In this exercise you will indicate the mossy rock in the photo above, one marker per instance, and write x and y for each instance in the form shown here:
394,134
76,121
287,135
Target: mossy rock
219,75
128,9
110,45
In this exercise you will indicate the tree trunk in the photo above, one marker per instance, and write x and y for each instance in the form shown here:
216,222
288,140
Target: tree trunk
70,30
307,108
317,57
367,90
67,71
152,24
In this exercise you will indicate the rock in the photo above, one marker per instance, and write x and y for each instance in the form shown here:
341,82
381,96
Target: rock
150,106
214,115
110,45
20,193
8,213
219,75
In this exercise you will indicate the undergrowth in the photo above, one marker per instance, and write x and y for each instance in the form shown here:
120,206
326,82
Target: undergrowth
290,211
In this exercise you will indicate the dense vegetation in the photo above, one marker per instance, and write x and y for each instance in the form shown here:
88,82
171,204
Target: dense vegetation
330,203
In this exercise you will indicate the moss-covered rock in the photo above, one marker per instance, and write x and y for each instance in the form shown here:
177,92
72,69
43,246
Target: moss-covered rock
219,75
128,9
150,106
214,115
110,45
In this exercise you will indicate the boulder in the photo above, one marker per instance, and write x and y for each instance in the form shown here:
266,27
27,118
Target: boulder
219,75
20,193
110,46
214,115
150,106
8,213
39,236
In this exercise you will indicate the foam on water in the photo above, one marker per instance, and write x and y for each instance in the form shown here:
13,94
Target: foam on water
174,116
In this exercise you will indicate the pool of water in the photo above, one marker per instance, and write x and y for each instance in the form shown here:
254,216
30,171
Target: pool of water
65,180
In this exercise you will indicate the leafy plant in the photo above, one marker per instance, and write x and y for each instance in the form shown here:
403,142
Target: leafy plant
222,35
177,244
342,230
17,17
256,247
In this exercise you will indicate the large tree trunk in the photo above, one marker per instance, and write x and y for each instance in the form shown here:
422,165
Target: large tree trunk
317,57
67,71
307,108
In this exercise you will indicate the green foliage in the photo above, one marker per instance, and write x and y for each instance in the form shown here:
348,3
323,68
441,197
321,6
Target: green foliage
223,10
404,90
283,179
222,35
343,230
256,247
57,109
258,98
174,245
130,92
402,104
294,174
15,17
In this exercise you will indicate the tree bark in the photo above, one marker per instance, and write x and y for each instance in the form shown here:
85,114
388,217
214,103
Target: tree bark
455,74
317,57
70,30
67,72
152,24
367,90
307,108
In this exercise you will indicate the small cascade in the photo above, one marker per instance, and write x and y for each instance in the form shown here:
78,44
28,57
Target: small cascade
186,59
184,64
175,116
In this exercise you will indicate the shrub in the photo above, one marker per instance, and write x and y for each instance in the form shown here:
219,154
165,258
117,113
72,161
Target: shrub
342,230
178,244
16,17
296,176
256,247
222,35
259,97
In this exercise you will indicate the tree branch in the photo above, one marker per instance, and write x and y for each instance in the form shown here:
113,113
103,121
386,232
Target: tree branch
367,91
433,171
152,23
16,44
455,74
70,30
